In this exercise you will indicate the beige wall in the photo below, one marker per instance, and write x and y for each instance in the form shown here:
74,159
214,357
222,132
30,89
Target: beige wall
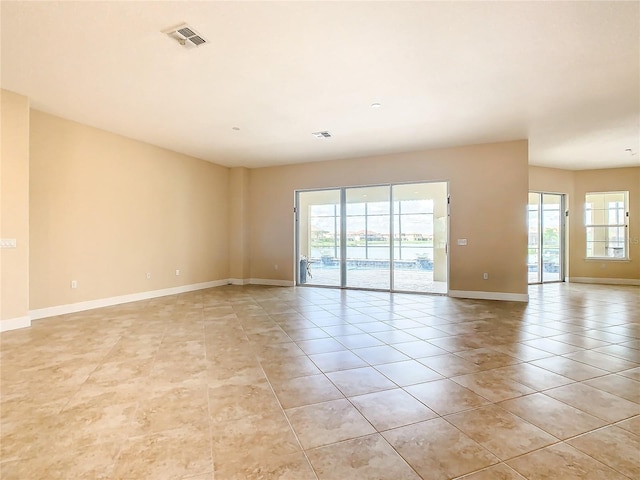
488,188
551,180
239,227
14,198
105,210
615,179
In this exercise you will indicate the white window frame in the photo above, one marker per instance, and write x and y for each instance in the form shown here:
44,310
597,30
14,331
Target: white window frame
608,223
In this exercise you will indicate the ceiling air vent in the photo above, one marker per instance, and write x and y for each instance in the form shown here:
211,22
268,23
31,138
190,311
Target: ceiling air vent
323,134
186,36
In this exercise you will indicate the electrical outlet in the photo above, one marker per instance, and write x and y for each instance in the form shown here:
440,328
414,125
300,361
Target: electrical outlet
275,267
177,272
148,276
8,243
485,276
74,284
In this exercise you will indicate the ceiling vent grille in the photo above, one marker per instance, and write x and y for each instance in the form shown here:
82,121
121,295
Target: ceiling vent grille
323,134
186,36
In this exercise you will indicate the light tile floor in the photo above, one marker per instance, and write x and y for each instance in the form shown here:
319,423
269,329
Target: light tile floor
310,383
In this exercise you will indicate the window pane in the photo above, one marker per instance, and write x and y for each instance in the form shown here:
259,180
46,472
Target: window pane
417,206
608,211
355,208
322,210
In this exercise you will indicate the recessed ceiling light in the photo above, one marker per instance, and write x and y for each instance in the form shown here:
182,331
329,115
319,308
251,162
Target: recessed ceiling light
375,105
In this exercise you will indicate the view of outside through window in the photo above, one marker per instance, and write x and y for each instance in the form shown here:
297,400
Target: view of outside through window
545,237
419,236
605,223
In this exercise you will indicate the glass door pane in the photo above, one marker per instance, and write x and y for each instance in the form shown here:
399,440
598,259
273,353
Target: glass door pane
533,221
551,237
368,237
319,238
420,237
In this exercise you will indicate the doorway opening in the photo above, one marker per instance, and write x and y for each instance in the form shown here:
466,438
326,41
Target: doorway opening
546,226
379,237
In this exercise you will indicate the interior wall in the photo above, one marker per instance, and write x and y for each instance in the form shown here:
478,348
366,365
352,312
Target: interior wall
14,201
106,210
488,188
613,179
239,227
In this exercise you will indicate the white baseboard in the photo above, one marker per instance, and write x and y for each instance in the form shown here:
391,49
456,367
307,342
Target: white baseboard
605,281
275,283
15,323
508,297
238,281
133,297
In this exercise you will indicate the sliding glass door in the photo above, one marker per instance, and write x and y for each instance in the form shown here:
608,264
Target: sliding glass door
368,230
319,227
383,237
546,237
420,225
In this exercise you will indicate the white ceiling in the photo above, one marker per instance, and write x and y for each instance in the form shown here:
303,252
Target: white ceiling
565,75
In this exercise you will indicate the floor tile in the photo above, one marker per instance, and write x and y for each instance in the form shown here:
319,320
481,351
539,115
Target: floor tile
595,402
392,337
521,351
631,425
437,450
391,409
533,376
449,365
191,386
620,351
169,454
328,422
379,355
301,391
496,472
619,385
633,373
601,360
445,396
613,446
564,462
492,385
487,359
271,467
320,345
333,361
419,349
569,368
307,334
358,381
555,417
361,340
408,372
501,432
229,402
551,346
265,434
289,368
360,458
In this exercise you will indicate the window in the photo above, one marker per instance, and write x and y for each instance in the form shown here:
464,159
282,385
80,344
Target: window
606,218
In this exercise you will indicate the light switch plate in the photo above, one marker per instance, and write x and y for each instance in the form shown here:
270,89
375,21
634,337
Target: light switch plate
462,241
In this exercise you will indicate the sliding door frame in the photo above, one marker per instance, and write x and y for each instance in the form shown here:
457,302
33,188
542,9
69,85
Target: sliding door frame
562,240
343,235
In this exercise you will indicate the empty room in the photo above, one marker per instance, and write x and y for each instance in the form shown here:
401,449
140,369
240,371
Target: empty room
320,240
